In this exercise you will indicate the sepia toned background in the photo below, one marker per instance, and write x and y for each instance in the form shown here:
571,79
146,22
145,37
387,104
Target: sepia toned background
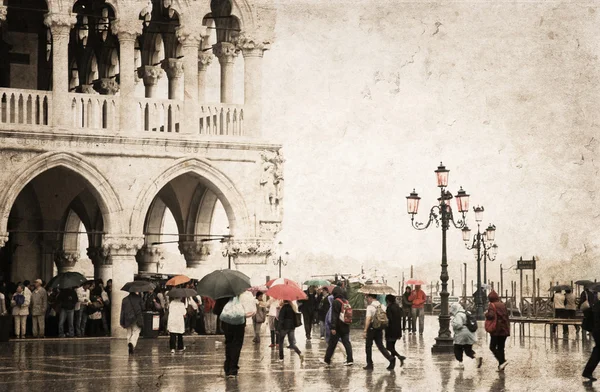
369,96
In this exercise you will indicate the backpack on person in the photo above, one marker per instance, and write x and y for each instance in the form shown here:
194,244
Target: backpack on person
346,311
19,299
380,320
471,321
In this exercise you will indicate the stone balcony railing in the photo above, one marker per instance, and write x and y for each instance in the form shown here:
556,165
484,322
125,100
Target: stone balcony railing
22,108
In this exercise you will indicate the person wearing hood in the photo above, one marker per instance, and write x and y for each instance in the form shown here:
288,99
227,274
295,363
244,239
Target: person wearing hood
497,324
339,329
463,338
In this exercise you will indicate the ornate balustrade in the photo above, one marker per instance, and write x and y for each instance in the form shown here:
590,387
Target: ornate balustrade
94,111
159,115
221,119
27,107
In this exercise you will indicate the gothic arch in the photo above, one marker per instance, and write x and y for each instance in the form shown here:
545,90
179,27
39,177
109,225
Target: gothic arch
233,202
99,186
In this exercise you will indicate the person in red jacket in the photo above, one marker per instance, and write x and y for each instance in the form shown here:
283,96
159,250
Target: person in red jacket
418,299
497,324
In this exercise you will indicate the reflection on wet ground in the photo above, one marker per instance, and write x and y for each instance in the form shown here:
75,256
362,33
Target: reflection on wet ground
536,364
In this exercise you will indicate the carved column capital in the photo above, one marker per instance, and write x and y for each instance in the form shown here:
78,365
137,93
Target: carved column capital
148,258
65,261
204,60
249,246
150,74
60,24
3,12
226,52
99,256
190,36
173,68
194,252
122,245
126,29
269,229
251,47
3,239
107,86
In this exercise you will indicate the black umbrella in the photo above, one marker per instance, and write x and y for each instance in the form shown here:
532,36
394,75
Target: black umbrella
180,292
138,286
67,280
560,287
584,282
223,283
594,287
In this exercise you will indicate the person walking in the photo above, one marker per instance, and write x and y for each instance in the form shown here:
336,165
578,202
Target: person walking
463,338
375,334
259,317
176,324
273,310
286,325
339,331
322,312
592,363
558,300
308,308
20,311
418,299
66,300
131,319
497,324
407,310
393,332
39,305
570,310
234,340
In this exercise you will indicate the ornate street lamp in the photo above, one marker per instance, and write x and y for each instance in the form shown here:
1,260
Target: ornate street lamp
441,213
279,260
482,244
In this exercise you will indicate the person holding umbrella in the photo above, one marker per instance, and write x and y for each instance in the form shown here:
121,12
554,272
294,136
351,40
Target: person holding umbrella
131,311
176,324
418,299
592,363
287,325
223,286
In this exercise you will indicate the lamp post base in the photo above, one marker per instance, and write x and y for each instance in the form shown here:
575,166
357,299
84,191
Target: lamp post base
443,346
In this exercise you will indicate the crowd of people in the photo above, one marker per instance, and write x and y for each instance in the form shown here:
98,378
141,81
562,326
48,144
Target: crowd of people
40,311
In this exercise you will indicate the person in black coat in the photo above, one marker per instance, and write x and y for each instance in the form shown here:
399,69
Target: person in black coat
339,329
132,319
286,325
393,331
323,310
588,371
234,340
308,307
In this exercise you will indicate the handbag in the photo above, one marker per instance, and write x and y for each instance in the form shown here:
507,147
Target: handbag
490,324
585,305
297,319
259,316
233,312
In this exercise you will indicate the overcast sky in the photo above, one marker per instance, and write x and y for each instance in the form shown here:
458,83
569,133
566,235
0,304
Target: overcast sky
368,97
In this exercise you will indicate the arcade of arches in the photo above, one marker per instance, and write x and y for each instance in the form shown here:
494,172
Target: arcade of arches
114,161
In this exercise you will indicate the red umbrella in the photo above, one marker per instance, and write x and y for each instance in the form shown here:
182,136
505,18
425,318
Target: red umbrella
278,281
177,280
286,292
416,282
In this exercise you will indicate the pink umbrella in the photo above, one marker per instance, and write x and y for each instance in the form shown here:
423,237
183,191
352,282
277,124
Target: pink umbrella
278,281
256,289
287,292
416,282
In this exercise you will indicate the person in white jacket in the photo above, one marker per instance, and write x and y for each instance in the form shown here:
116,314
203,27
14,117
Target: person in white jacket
176,324
20,311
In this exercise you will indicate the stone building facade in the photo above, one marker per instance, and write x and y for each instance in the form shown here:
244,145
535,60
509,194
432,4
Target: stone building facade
79,143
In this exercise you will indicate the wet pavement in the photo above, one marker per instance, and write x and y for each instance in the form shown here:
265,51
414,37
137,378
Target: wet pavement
103,364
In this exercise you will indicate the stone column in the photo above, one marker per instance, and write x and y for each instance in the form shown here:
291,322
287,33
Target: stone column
190,40
148,258
150,74
174,71
226,53
194,252
65,260
60,25
253,51
102,263
127,31
204,60
121,249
